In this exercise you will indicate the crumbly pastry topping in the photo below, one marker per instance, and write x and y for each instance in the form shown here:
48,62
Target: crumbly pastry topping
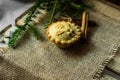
63,32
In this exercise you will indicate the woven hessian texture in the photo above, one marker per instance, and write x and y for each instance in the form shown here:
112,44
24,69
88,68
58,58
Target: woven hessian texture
115,63
114,14
42,60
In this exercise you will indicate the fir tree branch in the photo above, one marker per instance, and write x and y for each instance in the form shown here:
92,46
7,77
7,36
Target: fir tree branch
16,37
52,14
34,30
32,10
54,9
20,32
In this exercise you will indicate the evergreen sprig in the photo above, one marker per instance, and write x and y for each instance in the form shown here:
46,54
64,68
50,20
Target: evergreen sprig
53,9
69,6
34,30
32,10
16,37
20,32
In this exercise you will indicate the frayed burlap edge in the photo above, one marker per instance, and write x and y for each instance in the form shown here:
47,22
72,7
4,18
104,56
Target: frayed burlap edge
101,68
3,50
98,72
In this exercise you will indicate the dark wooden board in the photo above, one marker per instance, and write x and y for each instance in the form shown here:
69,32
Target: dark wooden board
113,3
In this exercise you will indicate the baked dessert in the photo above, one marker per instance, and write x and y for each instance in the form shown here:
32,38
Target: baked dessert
63,33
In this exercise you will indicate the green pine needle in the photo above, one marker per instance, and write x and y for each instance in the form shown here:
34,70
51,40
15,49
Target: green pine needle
20,32
34,30
32,10
16,37
54,8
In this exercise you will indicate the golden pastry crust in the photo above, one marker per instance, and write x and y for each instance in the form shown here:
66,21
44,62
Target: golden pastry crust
63,33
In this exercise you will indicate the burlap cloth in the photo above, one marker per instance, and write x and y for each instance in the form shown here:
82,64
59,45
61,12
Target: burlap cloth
114,14
42,60
115,63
